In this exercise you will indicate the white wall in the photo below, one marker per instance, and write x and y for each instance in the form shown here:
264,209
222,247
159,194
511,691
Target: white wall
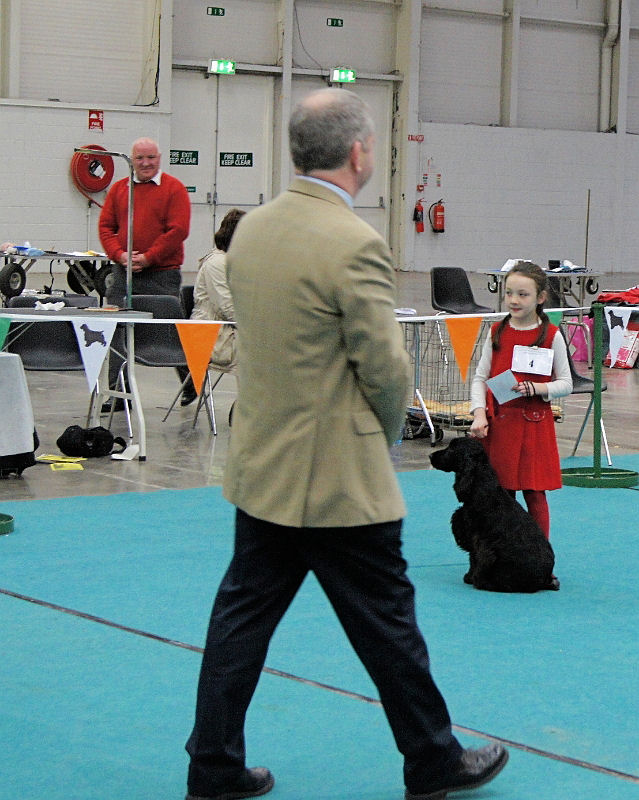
523,193
516,191
39,201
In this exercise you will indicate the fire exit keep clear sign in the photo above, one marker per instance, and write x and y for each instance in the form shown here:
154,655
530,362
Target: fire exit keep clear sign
184,157
236,159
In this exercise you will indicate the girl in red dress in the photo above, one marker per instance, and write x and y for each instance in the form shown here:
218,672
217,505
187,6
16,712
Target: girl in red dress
519,435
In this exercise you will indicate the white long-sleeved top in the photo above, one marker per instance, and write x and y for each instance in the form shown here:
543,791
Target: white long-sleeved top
212,300
559,385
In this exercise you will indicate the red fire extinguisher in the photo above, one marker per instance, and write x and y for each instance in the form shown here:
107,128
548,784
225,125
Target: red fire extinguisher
436,216
418,217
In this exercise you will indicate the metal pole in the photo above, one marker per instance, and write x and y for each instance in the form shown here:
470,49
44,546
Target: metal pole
587,229
129,233
129,240
596,421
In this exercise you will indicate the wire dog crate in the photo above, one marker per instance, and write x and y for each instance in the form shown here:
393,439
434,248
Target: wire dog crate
443,370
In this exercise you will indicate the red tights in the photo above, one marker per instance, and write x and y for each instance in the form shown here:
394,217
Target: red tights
537,508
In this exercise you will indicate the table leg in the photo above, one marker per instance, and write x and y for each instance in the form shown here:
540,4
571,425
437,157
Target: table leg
133,387
132,394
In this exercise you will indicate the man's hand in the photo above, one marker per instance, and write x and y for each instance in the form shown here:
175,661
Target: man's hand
138,260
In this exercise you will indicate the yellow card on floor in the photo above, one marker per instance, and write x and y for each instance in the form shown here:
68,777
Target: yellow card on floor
65,466
60,459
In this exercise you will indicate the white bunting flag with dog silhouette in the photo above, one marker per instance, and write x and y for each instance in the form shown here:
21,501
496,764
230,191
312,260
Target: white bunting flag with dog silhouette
94,337
617,318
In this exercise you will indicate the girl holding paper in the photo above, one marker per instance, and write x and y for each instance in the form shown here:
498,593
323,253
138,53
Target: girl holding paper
519,433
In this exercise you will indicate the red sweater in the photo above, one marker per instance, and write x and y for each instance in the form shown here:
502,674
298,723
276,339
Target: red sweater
161,217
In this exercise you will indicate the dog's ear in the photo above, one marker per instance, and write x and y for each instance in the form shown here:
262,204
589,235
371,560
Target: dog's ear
463,485
479,454
470,457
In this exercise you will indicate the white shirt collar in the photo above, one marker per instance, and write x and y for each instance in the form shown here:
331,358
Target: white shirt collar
155,179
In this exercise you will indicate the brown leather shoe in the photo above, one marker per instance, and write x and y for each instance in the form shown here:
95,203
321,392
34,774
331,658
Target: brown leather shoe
475,768
252,783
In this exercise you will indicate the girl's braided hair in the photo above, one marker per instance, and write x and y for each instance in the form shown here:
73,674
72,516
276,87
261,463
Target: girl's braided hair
534,271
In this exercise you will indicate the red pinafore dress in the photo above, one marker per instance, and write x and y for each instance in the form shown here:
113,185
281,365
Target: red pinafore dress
521,442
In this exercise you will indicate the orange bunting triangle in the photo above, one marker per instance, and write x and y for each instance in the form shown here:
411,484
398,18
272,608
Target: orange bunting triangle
198,342
463,334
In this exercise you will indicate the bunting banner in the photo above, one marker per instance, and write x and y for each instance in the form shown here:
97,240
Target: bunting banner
617,320
198,342
555,316
94,337
463,334
4,327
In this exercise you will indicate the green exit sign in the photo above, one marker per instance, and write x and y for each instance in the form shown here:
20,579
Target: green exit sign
219,66
335,22
214,11
342,75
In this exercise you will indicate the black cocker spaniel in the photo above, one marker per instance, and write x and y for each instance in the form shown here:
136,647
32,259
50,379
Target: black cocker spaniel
508,552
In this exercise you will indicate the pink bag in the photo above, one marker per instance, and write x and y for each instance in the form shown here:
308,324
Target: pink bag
577,340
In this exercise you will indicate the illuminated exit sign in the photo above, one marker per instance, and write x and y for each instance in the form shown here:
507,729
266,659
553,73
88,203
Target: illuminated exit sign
214,11
218,66
335,22
342,75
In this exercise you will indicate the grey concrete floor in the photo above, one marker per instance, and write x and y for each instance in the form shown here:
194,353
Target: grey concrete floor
182,456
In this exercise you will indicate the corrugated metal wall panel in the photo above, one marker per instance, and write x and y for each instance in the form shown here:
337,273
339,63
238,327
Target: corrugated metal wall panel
559,78
247,31
559,67
75,52
460,69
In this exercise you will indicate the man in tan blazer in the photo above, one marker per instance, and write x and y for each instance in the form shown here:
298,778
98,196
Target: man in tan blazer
322,392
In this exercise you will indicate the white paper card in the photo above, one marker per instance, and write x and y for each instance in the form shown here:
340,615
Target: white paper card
536,360
502,387
128,454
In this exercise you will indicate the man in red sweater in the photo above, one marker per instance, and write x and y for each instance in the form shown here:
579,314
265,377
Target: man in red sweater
161,218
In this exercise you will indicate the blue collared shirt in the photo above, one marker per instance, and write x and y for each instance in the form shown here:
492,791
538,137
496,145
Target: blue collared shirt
337,189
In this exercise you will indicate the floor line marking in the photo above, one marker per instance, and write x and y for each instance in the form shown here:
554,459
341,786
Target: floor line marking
575,762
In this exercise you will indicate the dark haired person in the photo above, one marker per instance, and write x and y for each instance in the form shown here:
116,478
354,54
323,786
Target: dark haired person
211,294
519,436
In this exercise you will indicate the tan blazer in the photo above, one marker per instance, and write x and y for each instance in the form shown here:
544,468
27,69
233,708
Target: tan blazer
323,375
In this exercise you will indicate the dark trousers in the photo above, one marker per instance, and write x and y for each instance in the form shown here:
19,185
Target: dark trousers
363,574
147,281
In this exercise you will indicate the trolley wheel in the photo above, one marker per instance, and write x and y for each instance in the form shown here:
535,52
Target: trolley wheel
13,279
84,282
438,436
493,285
592,287
103,280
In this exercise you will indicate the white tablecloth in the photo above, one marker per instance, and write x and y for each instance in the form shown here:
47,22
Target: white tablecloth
16,414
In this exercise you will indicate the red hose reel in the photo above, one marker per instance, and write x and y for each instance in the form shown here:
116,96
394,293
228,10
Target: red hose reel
91,172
